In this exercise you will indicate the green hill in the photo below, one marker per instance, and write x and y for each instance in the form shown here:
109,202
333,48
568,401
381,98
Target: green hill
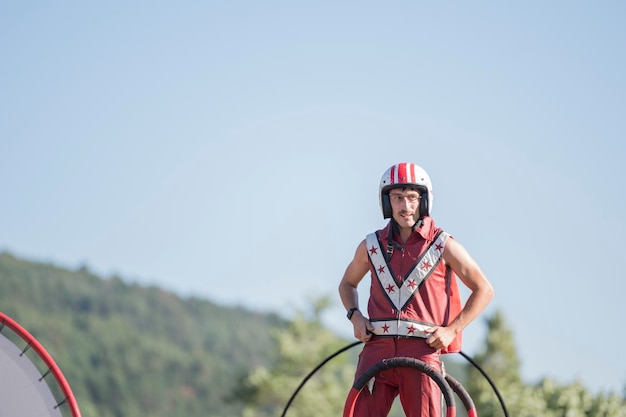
129,350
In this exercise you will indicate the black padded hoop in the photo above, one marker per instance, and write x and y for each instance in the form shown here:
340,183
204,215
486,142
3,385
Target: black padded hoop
400,362
465,398
455,385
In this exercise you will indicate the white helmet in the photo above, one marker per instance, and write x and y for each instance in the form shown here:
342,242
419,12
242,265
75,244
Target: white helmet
406,174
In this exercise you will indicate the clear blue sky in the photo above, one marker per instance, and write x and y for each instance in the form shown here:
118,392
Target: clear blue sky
232,150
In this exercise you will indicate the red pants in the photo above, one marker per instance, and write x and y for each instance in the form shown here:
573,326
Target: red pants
420,396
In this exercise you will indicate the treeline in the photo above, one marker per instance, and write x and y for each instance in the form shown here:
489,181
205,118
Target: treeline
130,351
306,341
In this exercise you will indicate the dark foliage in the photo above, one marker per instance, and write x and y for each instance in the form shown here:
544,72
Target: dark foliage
129,350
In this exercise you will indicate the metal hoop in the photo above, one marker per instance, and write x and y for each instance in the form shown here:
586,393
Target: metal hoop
455,385
41,352
401,362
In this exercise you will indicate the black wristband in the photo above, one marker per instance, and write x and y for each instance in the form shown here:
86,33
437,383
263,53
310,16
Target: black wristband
351,312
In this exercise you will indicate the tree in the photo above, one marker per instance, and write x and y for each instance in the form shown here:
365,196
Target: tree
499,360
302,346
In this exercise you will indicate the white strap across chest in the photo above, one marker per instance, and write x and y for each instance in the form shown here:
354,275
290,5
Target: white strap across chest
425,264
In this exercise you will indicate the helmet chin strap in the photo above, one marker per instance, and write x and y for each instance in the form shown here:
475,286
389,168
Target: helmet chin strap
390,242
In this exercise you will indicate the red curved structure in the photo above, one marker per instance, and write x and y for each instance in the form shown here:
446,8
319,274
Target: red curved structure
46,358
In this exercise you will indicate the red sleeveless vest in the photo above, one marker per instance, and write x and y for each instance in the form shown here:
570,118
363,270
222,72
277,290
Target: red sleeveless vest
411,287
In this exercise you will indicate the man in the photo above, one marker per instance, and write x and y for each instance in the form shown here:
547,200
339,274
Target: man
414,308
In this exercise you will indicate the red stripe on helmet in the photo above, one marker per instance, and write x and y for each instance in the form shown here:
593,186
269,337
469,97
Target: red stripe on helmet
406,173
392,175
403,173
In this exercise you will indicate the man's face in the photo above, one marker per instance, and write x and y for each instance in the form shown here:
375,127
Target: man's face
405,206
